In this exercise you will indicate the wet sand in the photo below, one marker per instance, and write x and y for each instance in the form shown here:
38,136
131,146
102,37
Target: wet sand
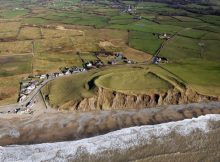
62,126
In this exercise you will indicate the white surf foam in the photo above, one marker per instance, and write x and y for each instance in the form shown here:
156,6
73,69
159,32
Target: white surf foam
121,139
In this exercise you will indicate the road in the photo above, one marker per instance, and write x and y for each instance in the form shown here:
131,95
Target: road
165,42
7,108
30,97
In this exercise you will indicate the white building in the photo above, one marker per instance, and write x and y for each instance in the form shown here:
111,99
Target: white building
60,74
43,76
21,99
31,87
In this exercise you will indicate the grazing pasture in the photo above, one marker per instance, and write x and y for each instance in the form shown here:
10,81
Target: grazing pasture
29,33
144,41
16,47
15,65
44,37
181,48
202,75
9,88
53,61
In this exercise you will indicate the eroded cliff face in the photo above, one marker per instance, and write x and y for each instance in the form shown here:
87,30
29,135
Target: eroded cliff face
105,100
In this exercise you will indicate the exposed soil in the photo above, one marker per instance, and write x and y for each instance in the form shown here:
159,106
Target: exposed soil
108,100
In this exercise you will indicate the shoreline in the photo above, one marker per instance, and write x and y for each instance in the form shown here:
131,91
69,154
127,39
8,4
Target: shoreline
143,143
65,126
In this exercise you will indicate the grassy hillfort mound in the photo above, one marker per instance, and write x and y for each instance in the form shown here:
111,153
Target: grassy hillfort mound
121,87
73,69
41,37
133,82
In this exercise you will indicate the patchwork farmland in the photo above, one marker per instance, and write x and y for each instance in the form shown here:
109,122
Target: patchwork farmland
49,36
75,69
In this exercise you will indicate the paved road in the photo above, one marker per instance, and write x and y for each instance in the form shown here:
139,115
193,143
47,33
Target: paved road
165,42
7,108
30,97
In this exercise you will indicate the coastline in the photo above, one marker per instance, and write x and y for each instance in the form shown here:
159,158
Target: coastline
65,126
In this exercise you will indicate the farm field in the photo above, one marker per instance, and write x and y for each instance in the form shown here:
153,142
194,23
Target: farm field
16,47
40,38
144,41
203,76
14,65
51,62
127,80
29,33
9,89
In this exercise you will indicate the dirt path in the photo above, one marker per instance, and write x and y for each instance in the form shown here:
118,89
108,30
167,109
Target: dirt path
18,54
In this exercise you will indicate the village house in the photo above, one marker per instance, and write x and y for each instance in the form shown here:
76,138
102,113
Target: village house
128,61
61,74
136,17
119,55
157,60
67,72
164,36
76,70
37,76
82,69
17,110
31,87
88,65
21,98
27,91
98,63
26,111
55,75
112,62
27,87
93,64
64,70
43,76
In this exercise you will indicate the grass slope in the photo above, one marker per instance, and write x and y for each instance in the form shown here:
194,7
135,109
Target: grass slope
133,82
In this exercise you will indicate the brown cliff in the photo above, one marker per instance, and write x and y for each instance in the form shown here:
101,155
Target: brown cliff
105,100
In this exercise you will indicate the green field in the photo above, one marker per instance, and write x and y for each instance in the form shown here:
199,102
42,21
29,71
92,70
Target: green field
44,37
29,33
202,75
133,82
144,41
15,65
9,89
193,33
181,48
11,14
15,47
52,62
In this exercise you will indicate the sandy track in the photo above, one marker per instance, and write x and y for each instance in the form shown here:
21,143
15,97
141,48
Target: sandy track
57,126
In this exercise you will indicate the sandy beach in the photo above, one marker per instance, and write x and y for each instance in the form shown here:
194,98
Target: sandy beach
64,126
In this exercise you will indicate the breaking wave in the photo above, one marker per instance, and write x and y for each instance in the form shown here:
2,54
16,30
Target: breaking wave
122,139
